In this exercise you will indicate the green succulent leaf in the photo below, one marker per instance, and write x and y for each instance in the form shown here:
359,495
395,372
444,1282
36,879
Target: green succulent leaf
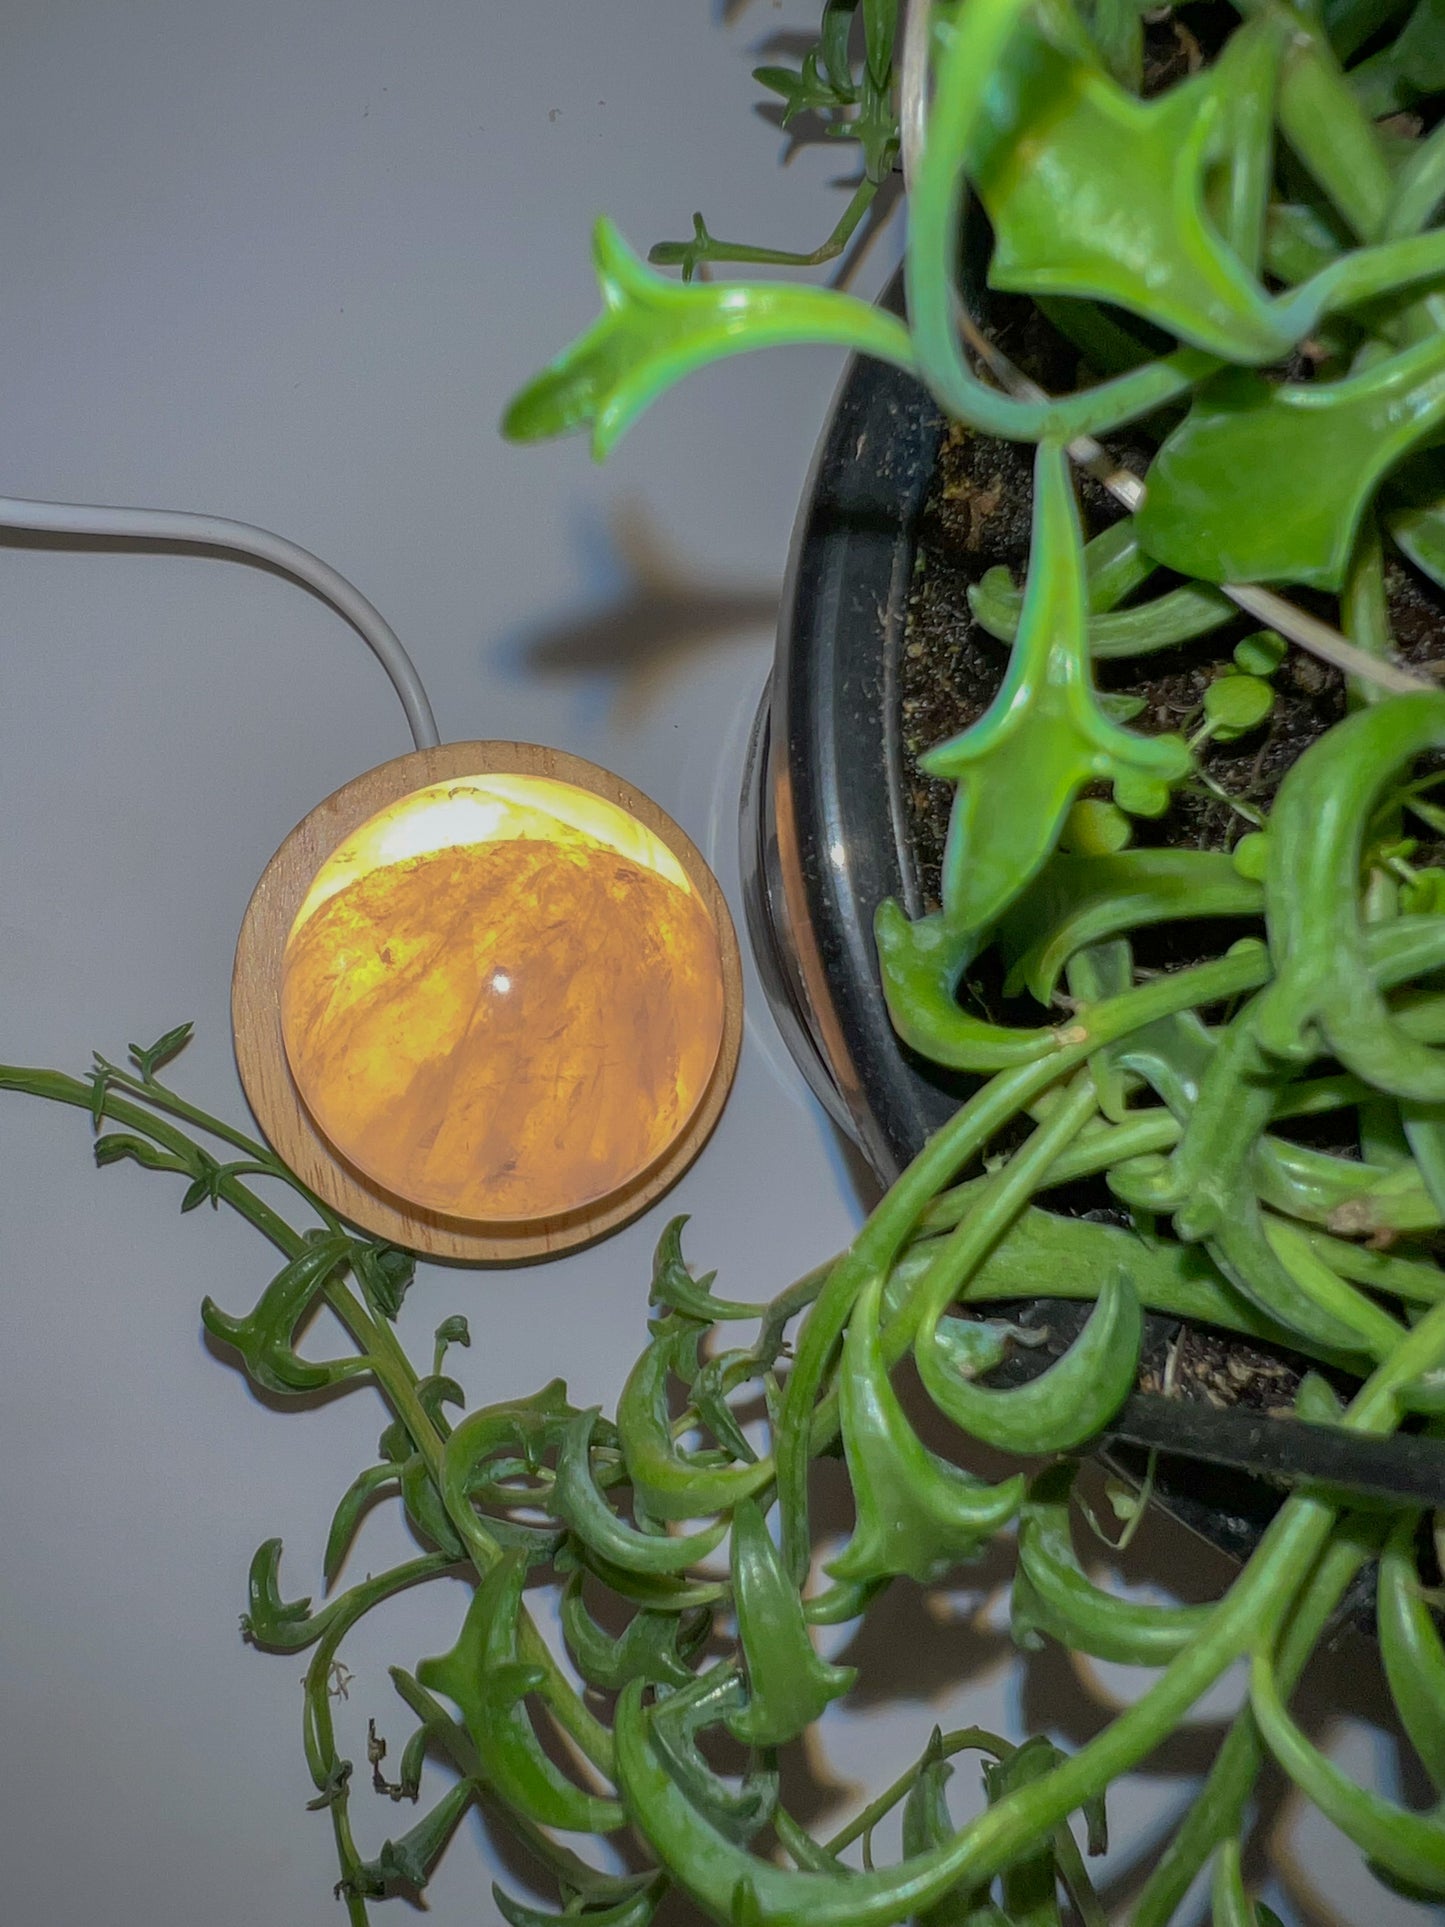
1326,991
1021,766
577,1501
274,1623
921,962
1407,70
1064,1406
407,1862
154,1057
916,1513
738,1810
1087,187
265,1337
1410,1845
1208,1183
1345,436
633,1910
1030,1884
1234,705
674,1286
1230,1904
117,1145
658,1591
1091,192
717,1376
1094,827
354,1504
451,1331
1083,900
385,1273
1058,1597
1262,653
654,331
1412,1649
672,1484
489,1684
655,1646
205,1186
928,1823
788,1684
1144,796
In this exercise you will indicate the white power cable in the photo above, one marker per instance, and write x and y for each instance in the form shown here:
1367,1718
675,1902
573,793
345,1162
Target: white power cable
88,522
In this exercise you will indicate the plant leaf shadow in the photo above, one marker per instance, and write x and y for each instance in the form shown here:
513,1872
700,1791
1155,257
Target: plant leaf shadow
657,621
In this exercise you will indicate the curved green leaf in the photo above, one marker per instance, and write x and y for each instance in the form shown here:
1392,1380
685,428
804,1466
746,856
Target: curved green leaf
653,331
634,1910
280,1626
788,1684
1230,1090
349,1513
1177,616
1326,994
1089,189
978,41
716,1377
115,1145
1061,1600
1344,435
525,1428
674,1286
576,1500
385,1273
1067,1404
1081,900
484,1676
290,1626
654,1646
916,1513
265,1336
408,1862
1410,1845
921,962
672,1485
1230,1905
1095,194
737,1811
659,1591
1412,1650
1045,735
927,1823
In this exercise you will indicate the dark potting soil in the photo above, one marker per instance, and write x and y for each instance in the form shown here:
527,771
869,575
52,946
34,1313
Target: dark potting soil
976,517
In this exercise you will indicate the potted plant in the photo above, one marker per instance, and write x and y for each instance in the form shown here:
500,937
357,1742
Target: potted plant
1258,323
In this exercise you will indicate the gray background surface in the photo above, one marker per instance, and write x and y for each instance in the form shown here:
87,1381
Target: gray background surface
284,260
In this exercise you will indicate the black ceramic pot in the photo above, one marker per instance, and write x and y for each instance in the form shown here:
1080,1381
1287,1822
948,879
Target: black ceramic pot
825,836
826,839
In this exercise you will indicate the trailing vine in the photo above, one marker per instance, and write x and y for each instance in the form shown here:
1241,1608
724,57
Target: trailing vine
1266,307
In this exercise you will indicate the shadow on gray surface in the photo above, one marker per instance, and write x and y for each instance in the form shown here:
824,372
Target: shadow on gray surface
658,620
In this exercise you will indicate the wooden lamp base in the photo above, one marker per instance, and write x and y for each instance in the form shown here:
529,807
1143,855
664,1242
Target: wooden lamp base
266,1073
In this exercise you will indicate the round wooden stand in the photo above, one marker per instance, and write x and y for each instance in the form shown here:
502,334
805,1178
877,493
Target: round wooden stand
261,1055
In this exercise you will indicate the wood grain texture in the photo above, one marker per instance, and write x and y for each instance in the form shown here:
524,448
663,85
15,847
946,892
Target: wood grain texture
261,1055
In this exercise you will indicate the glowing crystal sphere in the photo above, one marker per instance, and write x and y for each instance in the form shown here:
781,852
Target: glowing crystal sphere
502,998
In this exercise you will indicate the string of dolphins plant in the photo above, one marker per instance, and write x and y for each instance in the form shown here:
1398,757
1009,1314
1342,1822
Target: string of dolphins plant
1269,211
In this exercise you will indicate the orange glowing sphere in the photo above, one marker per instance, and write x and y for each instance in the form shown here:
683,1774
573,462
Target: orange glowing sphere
502,998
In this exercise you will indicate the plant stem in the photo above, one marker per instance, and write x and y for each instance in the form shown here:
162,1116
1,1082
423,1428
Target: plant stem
1216,1810
1252,1609
391,1368
963,1739
162,1098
